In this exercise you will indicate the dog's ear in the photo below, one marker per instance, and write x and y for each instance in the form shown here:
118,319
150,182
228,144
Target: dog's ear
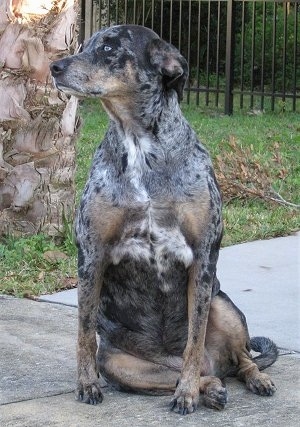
168,61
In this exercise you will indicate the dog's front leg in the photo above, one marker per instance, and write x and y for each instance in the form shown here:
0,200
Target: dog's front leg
186,395
89,287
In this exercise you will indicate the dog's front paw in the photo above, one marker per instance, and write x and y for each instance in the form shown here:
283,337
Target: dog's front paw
89,393
185,400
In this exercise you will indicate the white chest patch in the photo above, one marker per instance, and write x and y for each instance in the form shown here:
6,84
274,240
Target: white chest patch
170,242
160,246
137,149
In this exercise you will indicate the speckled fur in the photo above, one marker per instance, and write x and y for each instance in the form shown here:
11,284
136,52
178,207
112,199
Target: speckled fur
148,230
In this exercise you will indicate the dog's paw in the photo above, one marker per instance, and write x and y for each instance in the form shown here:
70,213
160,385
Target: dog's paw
183,405
90,394
215,398
184,401
261,384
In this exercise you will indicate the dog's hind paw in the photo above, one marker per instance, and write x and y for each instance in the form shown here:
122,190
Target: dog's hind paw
90,394
216,398
261,384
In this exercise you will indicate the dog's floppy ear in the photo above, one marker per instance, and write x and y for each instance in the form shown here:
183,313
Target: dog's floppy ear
168,61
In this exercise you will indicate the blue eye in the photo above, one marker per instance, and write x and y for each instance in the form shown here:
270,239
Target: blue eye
106,48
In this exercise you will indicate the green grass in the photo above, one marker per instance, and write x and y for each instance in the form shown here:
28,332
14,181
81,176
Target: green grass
247,220
92,132
24,269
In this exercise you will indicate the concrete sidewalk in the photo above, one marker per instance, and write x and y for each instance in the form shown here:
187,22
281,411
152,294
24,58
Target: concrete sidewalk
38,339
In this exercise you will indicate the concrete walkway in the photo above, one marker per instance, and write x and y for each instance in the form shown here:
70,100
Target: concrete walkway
38,339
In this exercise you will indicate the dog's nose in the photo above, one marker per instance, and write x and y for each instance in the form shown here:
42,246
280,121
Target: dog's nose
58,67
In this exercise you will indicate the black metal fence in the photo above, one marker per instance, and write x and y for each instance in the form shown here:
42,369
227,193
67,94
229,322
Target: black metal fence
241,53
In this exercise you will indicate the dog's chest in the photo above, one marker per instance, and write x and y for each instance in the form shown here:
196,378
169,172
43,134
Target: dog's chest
144,214
153,235
151,230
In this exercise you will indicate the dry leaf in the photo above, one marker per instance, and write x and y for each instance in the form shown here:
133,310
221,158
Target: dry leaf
54,256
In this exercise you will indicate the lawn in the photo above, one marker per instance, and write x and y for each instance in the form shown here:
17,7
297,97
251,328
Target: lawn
37,265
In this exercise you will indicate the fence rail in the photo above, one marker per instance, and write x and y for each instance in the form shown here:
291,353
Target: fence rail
241,53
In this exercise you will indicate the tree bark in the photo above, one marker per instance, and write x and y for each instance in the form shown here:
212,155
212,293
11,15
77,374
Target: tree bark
37,124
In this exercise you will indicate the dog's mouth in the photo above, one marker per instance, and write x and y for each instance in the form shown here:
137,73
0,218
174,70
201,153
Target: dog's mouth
69,90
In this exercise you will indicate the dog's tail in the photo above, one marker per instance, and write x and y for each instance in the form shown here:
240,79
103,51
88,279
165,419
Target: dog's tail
268,352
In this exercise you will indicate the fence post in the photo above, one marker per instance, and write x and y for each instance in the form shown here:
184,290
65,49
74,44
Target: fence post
81,21
230,39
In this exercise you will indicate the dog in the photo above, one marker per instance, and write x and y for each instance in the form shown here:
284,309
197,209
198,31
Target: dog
148,231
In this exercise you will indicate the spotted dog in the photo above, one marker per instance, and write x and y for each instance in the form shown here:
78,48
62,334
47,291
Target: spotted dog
148,230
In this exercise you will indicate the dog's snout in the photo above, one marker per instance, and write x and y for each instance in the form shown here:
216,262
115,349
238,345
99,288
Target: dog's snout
58,67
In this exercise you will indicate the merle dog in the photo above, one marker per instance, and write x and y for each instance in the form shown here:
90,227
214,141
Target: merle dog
148,232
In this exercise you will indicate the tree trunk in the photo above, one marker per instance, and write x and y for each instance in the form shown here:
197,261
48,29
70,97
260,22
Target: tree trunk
37,124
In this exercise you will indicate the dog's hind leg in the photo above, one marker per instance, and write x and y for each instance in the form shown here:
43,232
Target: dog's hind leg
131,373
258,382
228,344
214,392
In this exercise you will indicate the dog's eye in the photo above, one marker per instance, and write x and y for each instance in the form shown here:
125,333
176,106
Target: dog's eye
106,48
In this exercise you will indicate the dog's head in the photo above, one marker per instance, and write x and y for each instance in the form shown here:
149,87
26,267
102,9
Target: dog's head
122,61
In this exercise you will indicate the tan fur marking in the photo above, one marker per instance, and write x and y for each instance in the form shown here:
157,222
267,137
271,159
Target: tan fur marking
118,108
224,319
140,375
193,218
107,220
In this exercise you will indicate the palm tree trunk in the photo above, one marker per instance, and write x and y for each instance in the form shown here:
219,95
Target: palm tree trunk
37,124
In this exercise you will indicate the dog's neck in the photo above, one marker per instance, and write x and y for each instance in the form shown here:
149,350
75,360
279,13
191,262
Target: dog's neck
143,140
139,118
